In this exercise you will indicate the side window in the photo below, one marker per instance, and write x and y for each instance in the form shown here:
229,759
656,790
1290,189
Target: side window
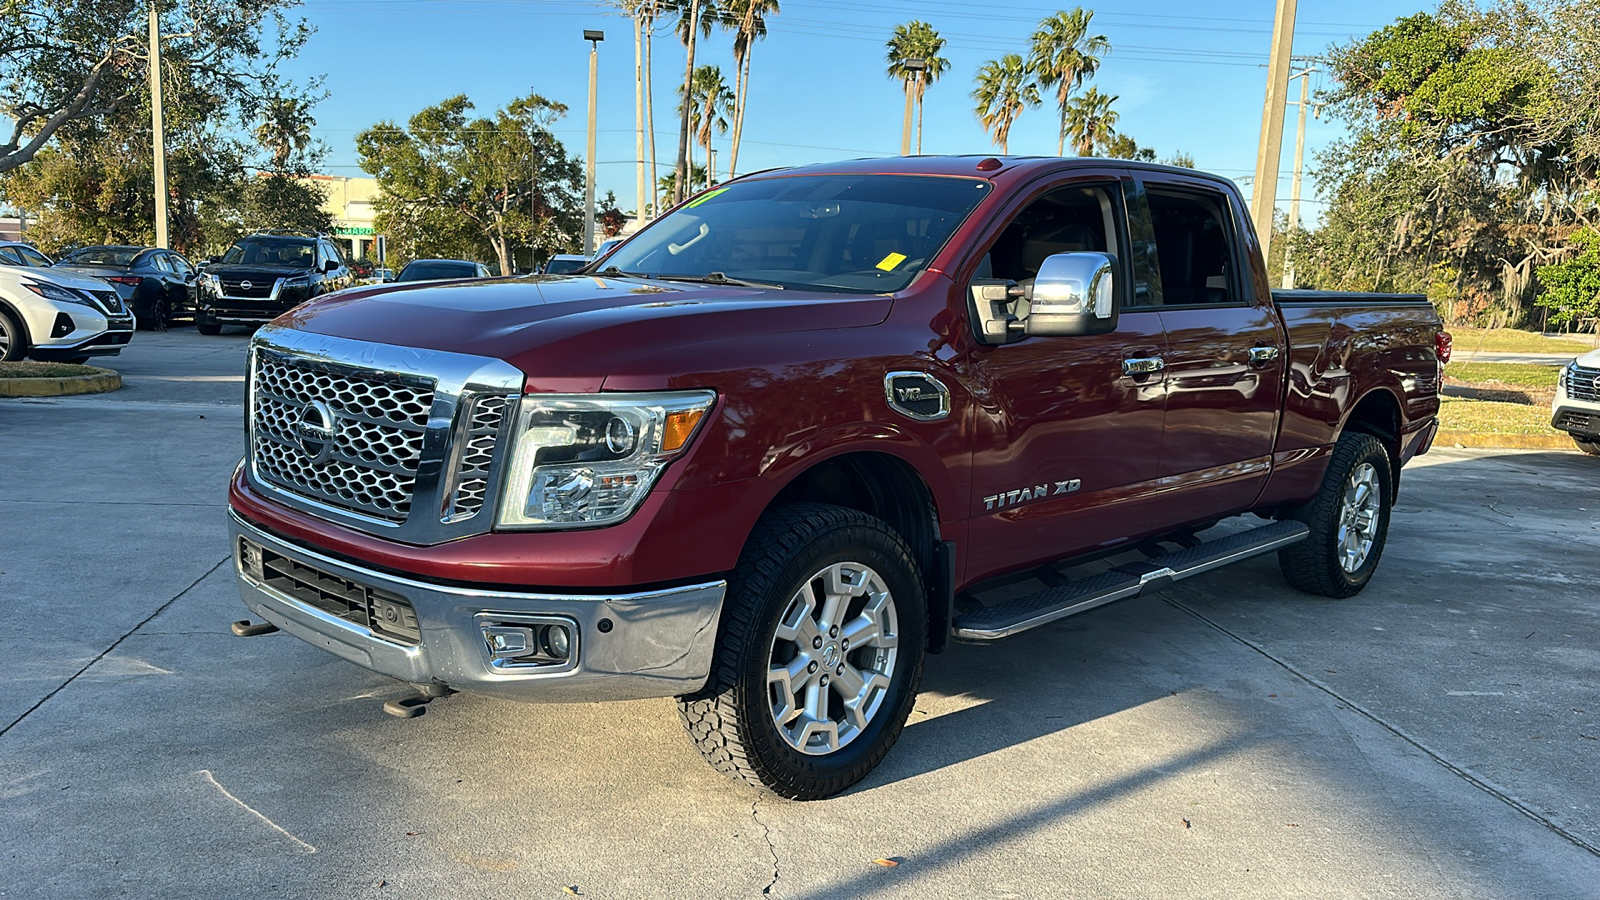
161,262
33,258
9,257
1194,255
1066,220
331,253
181,264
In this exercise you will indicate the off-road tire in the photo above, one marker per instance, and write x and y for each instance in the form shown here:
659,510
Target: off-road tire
207,326
1590,447
1313,565
731,720
13,342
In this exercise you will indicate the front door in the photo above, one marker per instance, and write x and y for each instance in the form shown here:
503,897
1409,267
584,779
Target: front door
1062,434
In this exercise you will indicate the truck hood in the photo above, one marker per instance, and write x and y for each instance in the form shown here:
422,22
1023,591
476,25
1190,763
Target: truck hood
237,270
569,332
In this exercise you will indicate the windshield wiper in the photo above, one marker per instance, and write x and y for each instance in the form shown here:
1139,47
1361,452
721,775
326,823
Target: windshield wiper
720,278
613,270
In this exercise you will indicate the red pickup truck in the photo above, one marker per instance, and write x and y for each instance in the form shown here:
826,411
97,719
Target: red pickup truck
775,448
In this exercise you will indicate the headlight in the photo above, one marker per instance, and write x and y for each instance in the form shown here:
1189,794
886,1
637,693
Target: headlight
211,283
590,459
55,292
1566,373
298,281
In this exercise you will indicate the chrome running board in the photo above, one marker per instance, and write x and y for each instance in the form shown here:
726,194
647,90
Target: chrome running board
1009,617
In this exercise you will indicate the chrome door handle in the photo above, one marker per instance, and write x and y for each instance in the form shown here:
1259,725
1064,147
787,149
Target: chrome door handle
1260,356
1145,366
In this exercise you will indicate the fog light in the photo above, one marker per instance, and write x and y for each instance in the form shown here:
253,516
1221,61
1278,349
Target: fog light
63,326
556,642
250,559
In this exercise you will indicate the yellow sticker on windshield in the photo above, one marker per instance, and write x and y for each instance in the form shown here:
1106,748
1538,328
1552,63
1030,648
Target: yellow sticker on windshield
892,260
703,198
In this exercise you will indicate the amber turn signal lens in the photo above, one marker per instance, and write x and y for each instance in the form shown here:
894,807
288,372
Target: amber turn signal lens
680,425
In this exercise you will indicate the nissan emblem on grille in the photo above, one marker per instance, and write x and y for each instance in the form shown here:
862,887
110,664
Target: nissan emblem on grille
317,430
246,285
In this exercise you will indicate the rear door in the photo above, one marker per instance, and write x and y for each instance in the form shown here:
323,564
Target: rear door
1064,438
1224,354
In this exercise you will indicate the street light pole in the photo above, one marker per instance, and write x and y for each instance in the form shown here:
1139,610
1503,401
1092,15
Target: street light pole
158,138
594,38
1294,185
913,67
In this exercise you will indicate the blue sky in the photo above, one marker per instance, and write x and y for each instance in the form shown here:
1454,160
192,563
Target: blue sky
1190,76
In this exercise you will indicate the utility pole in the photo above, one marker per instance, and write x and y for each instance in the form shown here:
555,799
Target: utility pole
158,137
913,69
1294,186
1263,200
594,38
711,167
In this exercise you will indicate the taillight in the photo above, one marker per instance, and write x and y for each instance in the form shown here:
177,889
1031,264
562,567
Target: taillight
125,279
1442,343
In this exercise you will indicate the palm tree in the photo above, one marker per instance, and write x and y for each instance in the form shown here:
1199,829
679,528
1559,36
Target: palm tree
916,40
750,25
285,128
1005,88
1090,121
1064,55
695,17
710,106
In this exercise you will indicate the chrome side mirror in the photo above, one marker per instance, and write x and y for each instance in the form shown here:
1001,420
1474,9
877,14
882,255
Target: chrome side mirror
1074,293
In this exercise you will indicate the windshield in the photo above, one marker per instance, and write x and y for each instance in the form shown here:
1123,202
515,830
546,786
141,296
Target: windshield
856,233
428,271
103,256
558,266
271,252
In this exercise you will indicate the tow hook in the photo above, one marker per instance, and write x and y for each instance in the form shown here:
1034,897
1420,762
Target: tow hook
246,628
416,704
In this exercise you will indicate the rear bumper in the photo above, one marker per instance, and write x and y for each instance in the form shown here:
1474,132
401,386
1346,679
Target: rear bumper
625,645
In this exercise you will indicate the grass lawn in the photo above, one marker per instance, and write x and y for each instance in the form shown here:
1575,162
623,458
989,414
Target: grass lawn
1487,417
1511,340
1519,374
32,369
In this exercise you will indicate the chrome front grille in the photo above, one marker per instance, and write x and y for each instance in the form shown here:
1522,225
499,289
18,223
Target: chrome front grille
379,421
1583,383
478,442
399,442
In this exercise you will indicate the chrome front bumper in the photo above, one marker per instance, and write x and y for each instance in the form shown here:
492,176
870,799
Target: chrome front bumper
625,646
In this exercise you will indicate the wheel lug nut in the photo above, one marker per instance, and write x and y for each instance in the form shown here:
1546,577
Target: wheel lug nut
816,642
844,644
824,681
812,667
839,671
834,631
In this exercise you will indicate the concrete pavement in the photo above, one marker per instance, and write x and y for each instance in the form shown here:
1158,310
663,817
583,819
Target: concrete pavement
1435,736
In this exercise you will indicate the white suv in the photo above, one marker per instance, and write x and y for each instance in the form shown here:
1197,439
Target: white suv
1577,405
50,314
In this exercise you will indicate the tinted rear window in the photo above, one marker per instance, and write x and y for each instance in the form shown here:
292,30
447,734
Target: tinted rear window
103,256
428,271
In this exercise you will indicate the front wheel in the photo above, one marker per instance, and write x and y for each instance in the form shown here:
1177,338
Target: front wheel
819,654
207,325
1349,521
13,346
1590,447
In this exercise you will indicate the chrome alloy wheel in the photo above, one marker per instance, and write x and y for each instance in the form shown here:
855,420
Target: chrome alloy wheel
6,339
1358,517
833,657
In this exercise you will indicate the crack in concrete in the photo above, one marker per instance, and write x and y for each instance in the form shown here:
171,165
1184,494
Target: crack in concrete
115,644
1464,774
766,834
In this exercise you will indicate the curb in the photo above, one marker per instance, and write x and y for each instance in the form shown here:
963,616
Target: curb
1477,441
101,381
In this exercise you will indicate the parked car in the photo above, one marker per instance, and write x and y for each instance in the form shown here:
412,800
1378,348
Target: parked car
793,435
441,269
1576,409
383,275
562,263
56,315
607,245
158,284
265,275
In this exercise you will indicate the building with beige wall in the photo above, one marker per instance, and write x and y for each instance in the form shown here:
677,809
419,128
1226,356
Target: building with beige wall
350,202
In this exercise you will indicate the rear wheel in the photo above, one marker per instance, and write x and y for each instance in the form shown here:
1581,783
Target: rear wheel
13,346
1590,447
1349,521
819,654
